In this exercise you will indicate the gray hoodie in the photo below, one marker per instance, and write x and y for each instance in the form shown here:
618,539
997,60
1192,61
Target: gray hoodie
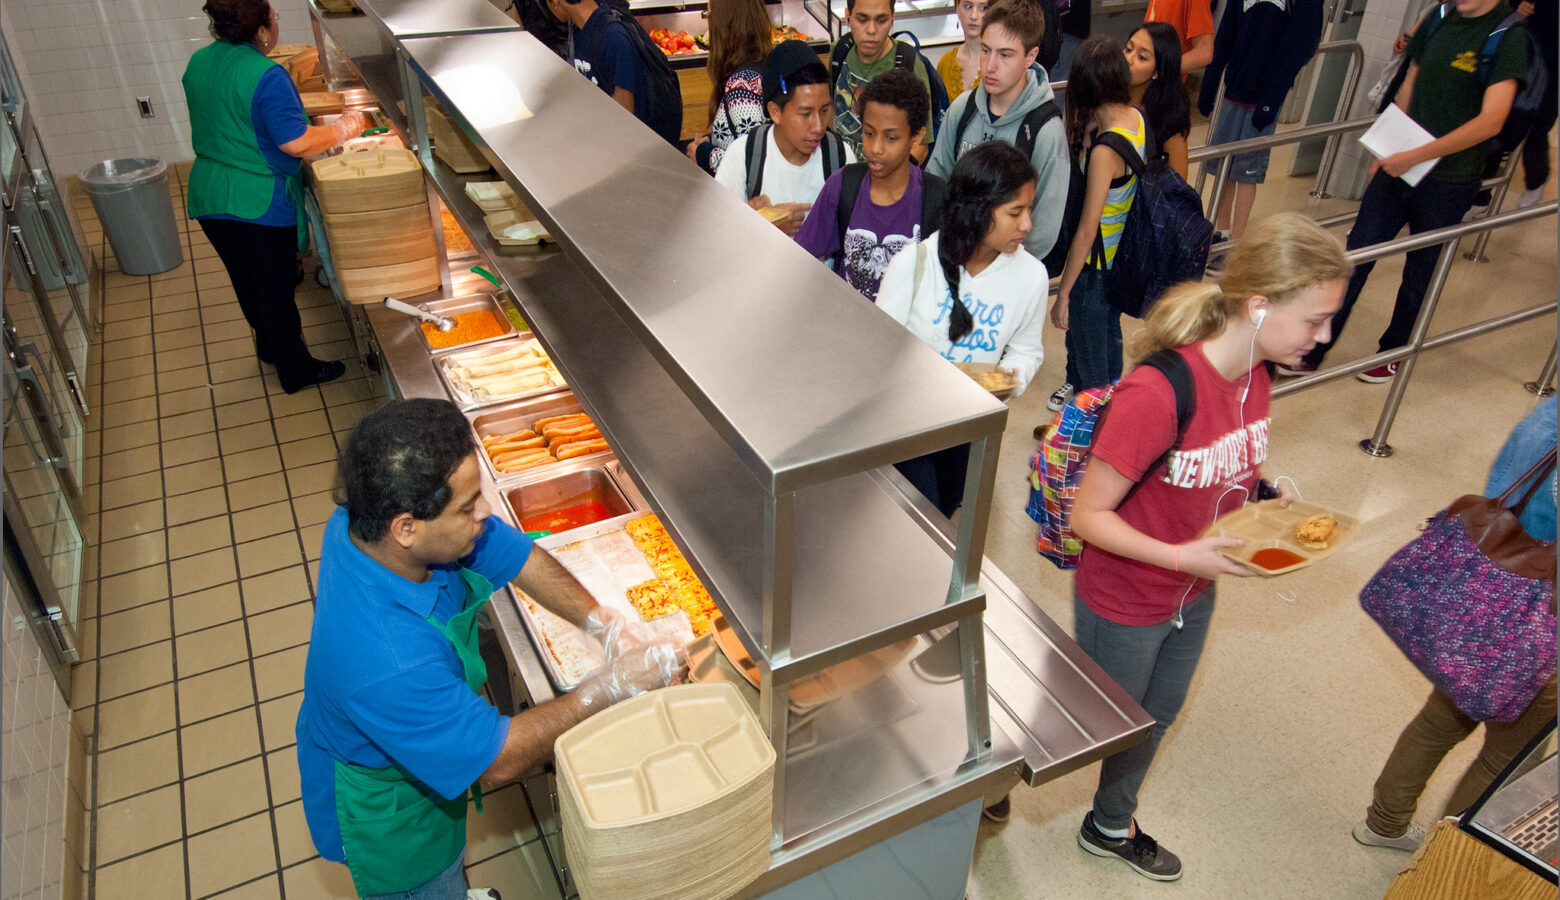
1050,157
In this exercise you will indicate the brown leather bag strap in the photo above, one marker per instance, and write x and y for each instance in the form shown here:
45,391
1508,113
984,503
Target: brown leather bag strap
1541,469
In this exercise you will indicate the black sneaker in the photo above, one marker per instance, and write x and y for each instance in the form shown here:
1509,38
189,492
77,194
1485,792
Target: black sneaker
1141,852
325,371
998,812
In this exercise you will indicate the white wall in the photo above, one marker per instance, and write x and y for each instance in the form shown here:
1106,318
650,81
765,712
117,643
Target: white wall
86,62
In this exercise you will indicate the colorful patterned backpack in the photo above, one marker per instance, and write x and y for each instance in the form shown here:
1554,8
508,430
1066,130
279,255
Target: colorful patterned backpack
1057,467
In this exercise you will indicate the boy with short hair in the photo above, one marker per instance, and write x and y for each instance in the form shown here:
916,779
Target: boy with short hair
783,165
1013,103
1462,99
609,48
870,210
870,52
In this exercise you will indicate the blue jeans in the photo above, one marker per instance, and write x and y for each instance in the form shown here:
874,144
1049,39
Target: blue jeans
1154,664
1093,333
1389,203
447,885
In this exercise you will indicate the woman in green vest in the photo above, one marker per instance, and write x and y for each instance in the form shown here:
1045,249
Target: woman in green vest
250,132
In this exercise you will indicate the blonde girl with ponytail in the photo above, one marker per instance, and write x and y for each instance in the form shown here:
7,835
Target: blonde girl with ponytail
1144,592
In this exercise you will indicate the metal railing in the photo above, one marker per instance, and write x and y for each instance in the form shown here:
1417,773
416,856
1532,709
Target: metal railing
1447,238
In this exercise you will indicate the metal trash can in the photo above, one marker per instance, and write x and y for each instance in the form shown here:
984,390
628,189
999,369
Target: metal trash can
132,201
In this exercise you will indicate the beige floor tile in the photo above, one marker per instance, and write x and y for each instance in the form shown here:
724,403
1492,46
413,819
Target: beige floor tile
83,686
131,462
298,454
225,313
225,795
267,888
120,369
151,876
283,587
132,589
231,855
350,390
278,721
281,628
209,273
137,824
169,322
281,768
187,424
134,628
197,505
279,674
246,437
178,302
313,539
127,437
292,833
303,425
130,412
522,872
191,449
238,391
127,521
313,479
135,716
269,554
293,404
236,348
218,742
180,281
186,401
135,552
314,509
181,338
319,879
193,476
230,369
199,537
262,521
504,825
119,293
252,463
253,492
126,347
212,648
227,331
136,768
346,416
134,670
182,358
215,693
184,379
205,570
132,490
203,609
130,389
244,412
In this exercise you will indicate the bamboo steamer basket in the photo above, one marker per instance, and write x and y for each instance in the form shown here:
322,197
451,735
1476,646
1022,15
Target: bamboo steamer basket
363,239
321,103
450,144
364,180
373,283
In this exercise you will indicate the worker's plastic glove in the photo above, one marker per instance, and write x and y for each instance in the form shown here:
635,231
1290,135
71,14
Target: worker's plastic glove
349,126
616,632
634,672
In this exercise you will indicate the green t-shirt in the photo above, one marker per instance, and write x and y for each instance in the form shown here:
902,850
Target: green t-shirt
1448,91
854,75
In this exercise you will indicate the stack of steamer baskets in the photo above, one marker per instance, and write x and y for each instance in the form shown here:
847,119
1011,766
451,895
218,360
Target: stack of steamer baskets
667,795
377,223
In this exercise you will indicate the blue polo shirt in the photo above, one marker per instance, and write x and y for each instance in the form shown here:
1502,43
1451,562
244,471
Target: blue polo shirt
384,687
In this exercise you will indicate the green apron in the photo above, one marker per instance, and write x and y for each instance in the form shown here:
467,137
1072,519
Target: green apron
398,834
230,175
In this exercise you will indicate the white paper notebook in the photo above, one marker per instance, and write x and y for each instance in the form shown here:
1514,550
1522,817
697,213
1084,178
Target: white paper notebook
1395,132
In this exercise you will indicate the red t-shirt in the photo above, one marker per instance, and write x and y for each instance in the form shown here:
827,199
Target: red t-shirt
1224,446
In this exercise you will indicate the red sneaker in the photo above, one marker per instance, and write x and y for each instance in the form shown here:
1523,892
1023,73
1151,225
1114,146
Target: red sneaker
1296,370
1379,374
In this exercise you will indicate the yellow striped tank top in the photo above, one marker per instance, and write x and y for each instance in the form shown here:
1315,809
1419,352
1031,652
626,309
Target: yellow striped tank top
1119,198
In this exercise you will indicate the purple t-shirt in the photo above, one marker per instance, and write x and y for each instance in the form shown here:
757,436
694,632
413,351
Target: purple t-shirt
875,234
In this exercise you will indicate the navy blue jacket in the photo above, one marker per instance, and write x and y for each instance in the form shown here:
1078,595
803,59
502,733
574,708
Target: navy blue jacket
1260,47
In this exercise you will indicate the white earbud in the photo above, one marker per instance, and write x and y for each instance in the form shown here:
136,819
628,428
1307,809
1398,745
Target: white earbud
1261,314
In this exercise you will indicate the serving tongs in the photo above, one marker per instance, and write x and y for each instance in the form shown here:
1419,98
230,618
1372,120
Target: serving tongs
442,323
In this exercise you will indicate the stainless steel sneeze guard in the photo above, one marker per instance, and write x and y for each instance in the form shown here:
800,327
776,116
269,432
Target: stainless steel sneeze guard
405,18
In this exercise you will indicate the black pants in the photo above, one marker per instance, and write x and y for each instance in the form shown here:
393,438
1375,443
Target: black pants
262,263
1534,128
939,476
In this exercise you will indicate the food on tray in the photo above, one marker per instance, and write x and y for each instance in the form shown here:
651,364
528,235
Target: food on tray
775,214
469,326
546,441
455,240
565,643
496,374
568,518
673,575
995,380
1275,558
673,43
787,33
1316,532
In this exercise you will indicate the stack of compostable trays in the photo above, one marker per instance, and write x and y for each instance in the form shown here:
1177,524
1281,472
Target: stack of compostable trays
667,795
377,223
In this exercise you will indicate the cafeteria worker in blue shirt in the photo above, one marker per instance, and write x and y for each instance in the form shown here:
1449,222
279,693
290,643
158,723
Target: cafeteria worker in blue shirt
393,735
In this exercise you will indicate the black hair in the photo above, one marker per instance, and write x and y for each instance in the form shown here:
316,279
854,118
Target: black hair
812,73
237,21
901,90
985,178
1165,106
399,459
1099,75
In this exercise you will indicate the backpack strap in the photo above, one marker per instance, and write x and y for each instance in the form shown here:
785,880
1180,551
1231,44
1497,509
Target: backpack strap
1029,128
842,48
1171,364
833,148
964,122
1486,65
933,190
1129,155
851,179
919,269
755,152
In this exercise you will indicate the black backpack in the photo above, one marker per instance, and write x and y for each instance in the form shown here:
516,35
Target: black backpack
1165,239
1528,99
663,106
832,148
1028,134
906,56
932,191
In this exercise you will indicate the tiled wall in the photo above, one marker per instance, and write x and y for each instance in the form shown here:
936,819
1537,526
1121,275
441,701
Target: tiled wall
1380,26
35,761
85,63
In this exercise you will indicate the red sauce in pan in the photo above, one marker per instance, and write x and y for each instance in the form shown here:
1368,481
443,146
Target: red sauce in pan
566,518
1273,558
